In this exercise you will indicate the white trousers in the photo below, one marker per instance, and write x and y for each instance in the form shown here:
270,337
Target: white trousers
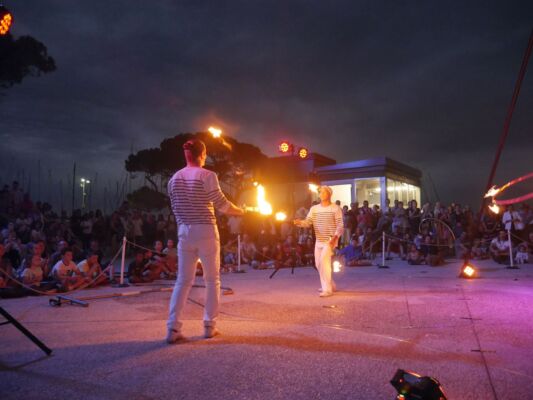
196,242
323,254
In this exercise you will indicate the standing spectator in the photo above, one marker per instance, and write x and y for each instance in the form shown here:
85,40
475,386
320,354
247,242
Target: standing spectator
413,216
86,229
137,227
512,221
161,226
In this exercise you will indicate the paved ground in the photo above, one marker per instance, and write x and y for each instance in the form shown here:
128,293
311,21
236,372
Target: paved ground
281,341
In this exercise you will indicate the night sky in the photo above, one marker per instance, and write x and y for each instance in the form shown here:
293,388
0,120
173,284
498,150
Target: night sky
426,83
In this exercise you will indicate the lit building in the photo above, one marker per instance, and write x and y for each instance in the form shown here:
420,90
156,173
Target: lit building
287,177
373,180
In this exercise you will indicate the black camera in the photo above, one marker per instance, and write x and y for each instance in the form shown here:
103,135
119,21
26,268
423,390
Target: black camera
411,386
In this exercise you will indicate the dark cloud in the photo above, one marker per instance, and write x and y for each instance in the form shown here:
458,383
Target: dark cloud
423,83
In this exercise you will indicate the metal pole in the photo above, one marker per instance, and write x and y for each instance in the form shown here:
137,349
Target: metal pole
122,263
383,251
511,262
239,252
73,186
507,123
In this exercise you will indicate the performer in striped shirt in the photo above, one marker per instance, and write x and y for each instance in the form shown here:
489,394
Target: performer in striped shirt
194,194
326,219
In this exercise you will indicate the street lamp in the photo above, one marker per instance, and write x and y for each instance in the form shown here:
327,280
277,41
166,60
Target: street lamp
83,183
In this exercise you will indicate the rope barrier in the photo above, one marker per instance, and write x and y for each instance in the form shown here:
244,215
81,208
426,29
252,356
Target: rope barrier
84,286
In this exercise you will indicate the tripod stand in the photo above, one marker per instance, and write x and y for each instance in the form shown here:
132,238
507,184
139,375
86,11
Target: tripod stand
11,320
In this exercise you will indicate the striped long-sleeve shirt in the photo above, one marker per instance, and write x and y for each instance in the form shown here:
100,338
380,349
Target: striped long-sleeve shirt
194,194
326,221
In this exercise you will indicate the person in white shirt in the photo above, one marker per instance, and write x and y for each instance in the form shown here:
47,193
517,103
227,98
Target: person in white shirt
326,219
66,272
91,269
513,221
499,248
194,194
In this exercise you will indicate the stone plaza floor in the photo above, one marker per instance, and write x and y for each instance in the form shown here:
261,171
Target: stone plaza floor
281,341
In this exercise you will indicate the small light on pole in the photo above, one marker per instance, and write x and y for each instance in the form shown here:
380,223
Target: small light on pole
83,184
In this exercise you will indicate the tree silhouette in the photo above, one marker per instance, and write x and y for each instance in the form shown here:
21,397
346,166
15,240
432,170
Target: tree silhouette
22,57
233,161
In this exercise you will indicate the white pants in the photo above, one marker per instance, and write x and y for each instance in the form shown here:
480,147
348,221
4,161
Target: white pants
196,242
323,253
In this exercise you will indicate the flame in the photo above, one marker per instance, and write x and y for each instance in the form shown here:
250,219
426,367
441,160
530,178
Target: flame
281,216
337,266
469,271
263,206
494,208
313,188
215,131
493,191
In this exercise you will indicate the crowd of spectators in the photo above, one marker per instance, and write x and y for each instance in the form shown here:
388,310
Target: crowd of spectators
49,251
427,235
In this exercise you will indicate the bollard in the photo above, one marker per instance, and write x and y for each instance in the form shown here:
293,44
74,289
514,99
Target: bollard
239,252
122,263
383,251
511,261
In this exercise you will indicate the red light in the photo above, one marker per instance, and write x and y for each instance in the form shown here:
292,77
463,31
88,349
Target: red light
303,152
6,20
284,147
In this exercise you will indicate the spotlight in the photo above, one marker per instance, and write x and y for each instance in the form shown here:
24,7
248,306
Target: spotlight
281,216
6,20
284,147
467,271
303,153
411,386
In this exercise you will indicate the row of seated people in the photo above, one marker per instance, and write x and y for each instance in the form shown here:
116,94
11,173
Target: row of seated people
59,272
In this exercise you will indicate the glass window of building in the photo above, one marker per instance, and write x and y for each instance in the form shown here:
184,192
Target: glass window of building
369,190
402,191
343,193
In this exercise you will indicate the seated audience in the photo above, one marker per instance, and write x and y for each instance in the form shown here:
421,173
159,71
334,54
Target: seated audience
499,248
91,269
66,274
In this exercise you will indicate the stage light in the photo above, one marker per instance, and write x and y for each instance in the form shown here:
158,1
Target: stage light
284,147
303,153
6,20
281,216
215,131
411,386
313,187
467,271
337,266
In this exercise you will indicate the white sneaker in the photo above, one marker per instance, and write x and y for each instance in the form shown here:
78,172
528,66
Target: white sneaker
210,331
173,336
